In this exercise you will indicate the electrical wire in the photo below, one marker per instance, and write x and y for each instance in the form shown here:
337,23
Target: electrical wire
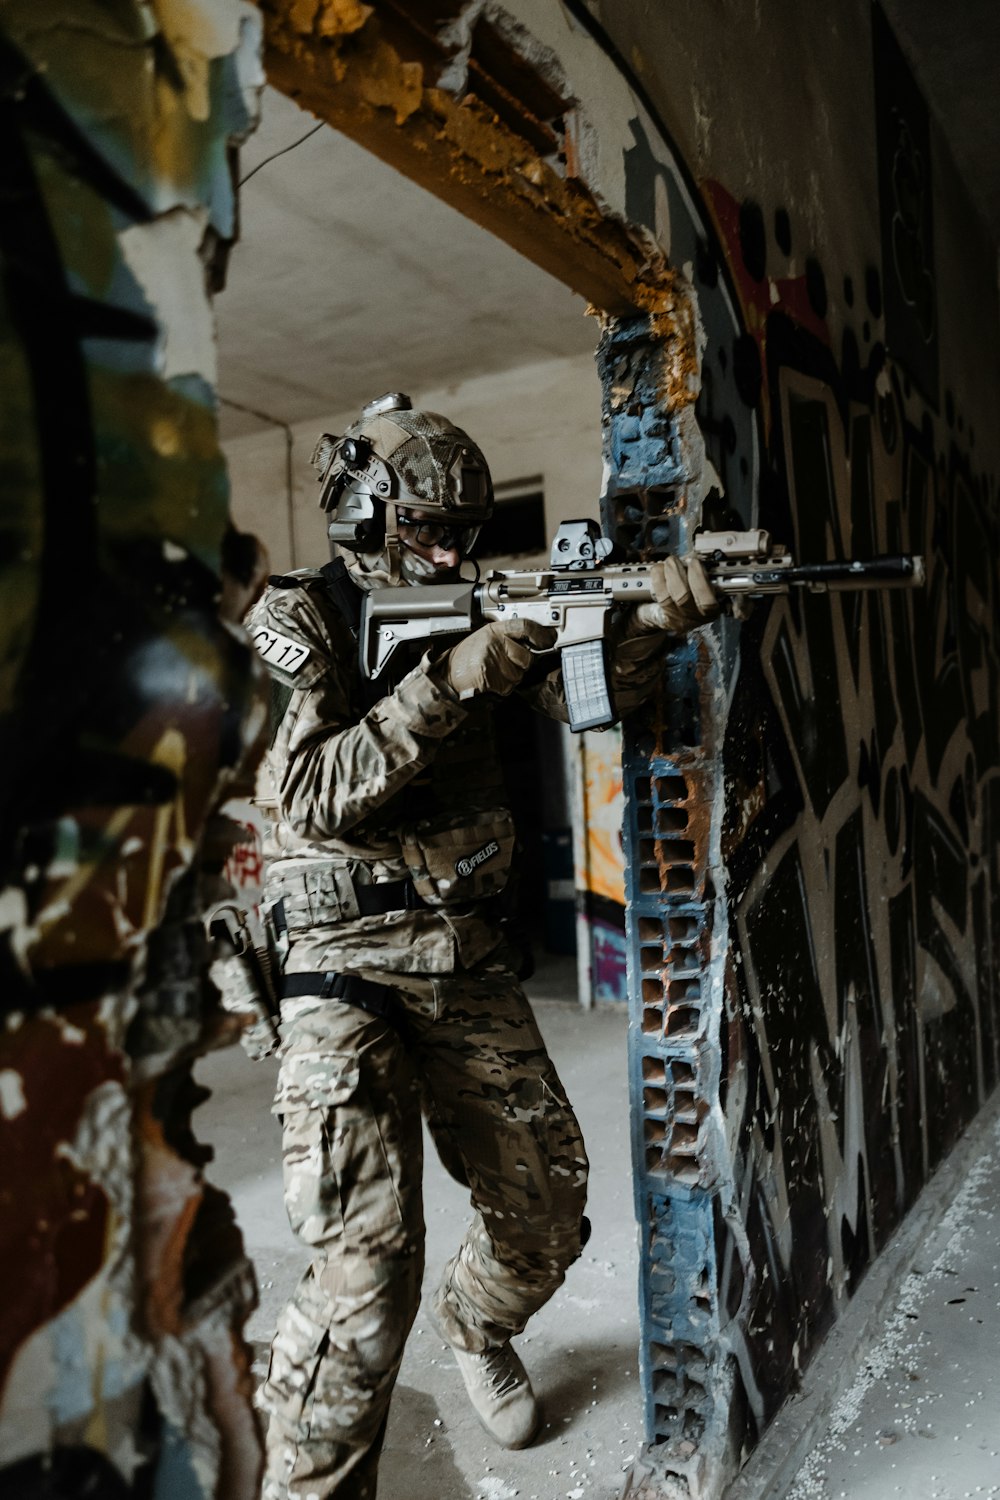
282,152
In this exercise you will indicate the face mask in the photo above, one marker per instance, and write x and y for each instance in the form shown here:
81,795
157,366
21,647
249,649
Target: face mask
416,569
371,570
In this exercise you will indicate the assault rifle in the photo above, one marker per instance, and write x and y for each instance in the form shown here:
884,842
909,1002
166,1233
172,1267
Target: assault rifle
576,593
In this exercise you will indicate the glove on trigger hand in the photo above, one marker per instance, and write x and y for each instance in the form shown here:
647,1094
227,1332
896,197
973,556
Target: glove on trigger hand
494,658
684,600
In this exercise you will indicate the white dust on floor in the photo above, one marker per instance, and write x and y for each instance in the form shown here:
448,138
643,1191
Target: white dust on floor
921,1419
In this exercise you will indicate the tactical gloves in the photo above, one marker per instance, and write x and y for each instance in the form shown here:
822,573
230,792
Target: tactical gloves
684,598
494,658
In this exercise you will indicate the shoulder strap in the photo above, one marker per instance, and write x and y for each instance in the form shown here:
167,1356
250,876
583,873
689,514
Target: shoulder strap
345,596
343,592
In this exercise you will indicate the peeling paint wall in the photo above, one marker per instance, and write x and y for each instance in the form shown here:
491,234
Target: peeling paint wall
130,709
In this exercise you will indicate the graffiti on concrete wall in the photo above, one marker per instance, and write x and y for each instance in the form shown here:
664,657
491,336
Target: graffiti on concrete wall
812,831
859,836
129,709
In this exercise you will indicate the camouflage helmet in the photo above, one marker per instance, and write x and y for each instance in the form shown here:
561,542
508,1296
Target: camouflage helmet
394,458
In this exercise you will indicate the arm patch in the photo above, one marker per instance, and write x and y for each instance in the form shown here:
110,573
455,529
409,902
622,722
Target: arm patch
280,650
291,631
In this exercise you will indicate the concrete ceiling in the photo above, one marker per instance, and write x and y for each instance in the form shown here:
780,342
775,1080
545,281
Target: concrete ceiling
348,279
954,51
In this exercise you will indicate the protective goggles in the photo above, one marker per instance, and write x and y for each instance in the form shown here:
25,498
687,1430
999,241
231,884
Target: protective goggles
436,534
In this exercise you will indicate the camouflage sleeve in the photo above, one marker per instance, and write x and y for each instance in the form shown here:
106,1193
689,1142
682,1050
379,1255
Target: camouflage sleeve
333,766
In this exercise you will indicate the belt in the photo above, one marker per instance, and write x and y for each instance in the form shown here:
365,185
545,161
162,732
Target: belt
376,999
373,901
390,895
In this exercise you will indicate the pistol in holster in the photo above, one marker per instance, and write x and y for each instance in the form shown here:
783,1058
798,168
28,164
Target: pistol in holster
244,975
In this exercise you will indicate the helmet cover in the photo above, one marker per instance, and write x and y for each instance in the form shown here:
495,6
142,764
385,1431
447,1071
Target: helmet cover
410,459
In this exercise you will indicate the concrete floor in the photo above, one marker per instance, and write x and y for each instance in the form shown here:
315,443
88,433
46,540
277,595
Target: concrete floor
580,1349
921,1419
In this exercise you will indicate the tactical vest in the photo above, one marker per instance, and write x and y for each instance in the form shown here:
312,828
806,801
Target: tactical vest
465,774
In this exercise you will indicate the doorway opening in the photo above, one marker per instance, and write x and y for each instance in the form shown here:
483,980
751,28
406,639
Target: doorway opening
351,279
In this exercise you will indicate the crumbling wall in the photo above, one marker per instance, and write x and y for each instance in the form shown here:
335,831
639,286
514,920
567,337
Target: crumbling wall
856,759
130,708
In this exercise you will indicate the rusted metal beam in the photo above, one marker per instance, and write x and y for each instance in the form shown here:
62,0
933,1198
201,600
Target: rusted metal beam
359,68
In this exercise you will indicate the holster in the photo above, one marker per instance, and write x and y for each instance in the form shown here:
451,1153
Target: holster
242,972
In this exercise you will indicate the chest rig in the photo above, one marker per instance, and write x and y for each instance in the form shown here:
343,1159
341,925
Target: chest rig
464,778
466,772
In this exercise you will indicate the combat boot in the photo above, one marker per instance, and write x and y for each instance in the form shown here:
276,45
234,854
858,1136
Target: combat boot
501,1394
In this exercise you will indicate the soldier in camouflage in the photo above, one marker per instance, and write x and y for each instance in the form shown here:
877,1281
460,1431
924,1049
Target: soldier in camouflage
389,846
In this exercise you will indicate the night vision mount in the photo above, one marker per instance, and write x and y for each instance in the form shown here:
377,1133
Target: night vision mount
351,476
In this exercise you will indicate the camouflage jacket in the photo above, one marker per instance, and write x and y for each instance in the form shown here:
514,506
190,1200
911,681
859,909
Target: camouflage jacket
355,786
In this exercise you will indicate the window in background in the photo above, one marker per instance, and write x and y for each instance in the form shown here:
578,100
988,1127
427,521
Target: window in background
517,526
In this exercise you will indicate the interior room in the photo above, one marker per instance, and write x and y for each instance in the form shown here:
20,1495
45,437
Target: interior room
350,279
723,276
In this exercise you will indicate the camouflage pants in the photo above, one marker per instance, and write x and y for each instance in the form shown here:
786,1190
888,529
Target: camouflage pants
350,1098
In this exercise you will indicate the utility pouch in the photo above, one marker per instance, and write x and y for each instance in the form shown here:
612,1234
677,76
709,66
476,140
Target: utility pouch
461,859
313,895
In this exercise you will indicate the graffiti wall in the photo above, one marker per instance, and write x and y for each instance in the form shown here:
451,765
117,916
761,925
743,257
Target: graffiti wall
129,713
811,827
859,833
